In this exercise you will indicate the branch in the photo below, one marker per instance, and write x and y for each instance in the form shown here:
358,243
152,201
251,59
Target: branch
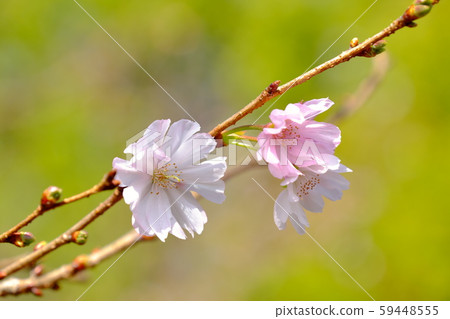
364,49
63,239
108,182
34,284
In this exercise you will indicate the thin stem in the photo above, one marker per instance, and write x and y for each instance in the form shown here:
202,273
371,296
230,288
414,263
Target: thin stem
274,90
64,238
33,284
51,279
243,129
243,137
108,182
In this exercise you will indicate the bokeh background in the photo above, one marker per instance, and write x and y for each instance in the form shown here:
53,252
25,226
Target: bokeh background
70,98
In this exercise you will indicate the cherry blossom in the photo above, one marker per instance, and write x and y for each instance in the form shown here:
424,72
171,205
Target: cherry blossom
167,163
295,140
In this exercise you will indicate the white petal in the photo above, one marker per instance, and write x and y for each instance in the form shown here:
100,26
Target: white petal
141,230
297,221
136,182
206,172
313,201
330,193
179,132
158,126
154,133
188,212
332,184
342,169
281,214
292,192
177,231
213,192
126,173
194,149
152,212
285,209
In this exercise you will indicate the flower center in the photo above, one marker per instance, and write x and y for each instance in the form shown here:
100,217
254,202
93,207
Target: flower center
292,130
307,185
162,178
289,133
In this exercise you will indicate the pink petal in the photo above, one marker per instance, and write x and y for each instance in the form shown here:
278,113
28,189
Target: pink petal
312,108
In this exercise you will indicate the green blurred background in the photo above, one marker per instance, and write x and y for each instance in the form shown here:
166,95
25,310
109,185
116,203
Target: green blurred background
70,98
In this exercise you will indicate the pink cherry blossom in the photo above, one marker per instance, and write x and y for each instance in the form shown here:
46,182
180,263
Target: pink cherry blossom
168,163
295,140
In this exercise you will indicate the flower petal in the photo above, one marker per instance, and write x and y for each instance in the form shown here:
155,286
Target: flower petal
187,211
206,172
314,107
193,150
285,209
280,212
178,133
153,213
326,136
154,133
214,192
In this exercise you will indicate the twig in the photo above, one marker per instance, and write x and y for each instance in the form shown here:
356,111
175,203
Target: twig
33,284
274,89
63,239
108,182
364,91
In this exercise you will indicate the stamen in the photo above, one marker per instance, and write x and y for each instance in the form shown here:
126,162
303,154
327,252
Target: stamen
308,185
165,181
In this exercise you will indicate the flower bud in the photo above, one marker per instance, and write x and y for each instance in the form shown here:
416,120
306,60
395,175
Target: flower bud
375,49
80,237
39,245
273,87
36,291
354,42
378,47
80,262
420,10
21,239
51,196
38,270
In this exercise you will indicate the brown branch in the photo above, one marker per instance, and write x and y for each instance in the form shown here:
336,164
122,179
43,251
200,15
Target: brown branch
33,284
108,182
364,91
274,90
63,239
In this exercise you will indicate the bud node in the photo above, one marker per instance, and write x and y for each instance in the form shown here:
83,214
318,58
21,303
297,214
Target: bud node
51,196
80,237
